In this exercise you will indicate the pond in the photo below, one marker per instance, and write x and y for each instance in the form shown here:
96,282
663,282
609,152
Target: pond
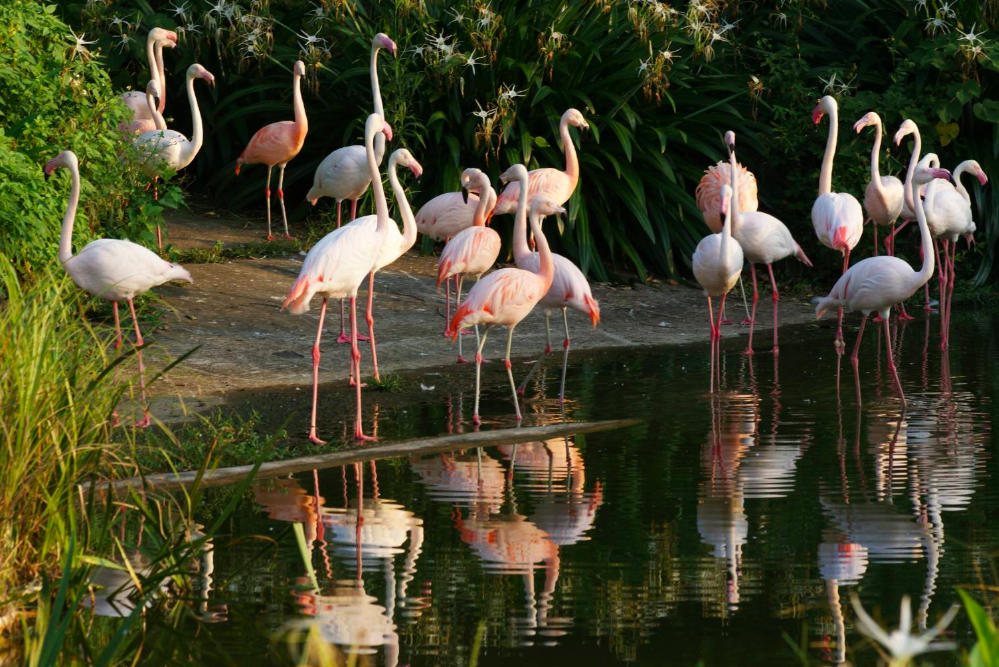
731,528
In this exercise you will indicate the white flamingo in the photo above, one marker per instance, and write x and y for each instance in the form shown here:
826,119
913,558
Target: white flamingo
156,40
156,122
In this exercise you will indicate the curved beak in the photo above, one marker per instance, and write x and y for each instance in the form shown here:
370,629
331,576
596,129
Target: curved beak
859,125
49,168
387,131
982,178
817,115
464,194
156,100
417,169
561,217
584,133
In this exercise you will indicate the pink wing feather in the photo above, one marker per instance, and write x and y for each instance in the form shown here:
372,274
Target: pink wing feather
708,193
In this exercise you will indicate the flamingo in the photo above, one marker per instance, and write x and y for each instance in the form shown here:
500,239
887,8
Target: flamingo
505,297
396,244
473,250
836,216
337,265
717,262
556,185
569,289
168,150
877,283
111,269
763,238
709,201
156,122
156,40
343,174
277,144
928,160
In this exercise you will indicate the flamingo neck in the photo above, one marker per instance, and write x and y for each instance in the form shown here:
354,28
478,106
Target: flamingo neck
958,173
486,197
926,242
158,120
381,206
732,220
405,211
376,93
154,70
825,176
160,76
301,121
571,159
521,251
876,158
546,267
917,147
191,148
726,232
66,235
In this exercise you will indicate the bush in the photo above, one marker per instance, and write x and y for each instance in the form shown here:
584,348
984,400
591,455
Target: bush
58,96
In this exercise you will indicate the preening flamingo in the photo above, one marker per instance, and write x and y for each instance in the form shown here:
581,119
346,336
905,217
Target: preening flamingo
472,251
169,150
396,243
836,216
111,269
556,185
156,122
156,40
277,144
505,297
337,265
709,201
764,240
877,283
569,288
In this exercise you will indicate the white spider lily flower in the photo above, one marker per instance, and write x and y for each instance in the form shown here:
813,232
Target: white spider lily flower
900,644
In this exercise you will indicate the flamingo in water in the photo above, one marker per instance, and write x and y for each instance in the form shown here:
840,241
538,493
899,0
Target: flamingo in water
877,283
472,251
168,150
142,118
337,265
764,240
278,144
111,269
836,216
505,297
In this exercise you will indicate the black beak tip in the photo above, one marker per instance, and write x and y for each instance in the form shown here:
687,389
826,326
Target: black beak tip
731,148
950,178
464,195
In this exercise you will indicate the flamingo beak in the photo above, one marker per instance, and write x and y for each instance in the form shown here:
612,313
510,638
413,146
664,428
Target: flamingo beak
387,131
156,100
489,216
417,169
464,194
859,125
982,178
49,168
817,115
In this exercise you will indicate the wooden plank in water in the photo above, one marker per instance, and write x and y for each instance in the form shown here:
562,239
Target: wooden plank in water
418,447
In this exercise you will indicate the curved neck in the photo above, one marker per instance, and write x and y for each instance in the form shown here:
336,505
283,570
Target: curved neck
958,173
405,211
926,272
66,236
546,267
301,122
160,76
825,176
486,195
571,160
191,148
520,247
158,120
376,92
381,206
734,206
917,147
875,159
154,69
726,232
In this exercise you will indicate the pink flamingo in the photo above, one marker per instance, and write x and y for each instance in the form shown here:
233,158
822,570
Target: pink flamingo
156,40
505,297
877,283
473,250
396,244
764,240
111,269
709,201
140,126
278,144
337,265
168,150
836,216
569,289
930,160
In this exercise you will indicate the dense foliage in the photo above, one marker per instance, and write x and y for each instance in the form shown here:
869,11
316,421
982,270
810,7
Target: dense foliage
57,96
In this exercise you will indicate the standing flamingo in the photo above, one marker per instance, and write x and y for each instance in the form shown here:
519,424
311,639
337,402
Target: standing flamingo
764,240
156,122
473,250
929,160
156,40
277,144
337,265
505,297
396,244
717,262
836,216
709,201
169,150
556,185
111,269
877,283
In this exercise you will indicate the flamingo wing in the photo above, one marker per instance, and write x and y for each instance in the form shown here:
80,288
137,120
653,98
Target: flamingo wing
470,251
335,266
445,215
502,297
273,144
708,192
343,174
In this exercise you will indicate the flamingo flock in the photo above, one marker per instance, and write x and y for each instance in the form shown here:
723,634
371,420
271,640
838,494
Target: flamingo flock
338,265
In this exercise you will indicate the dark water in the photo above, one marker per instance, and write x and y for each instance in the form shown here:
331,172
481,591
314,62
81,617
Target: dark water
724,528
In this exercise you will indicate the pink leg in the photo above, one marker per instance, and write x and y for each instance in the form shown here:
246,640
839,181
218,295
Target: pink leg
315,376
889,242
343,337
776,297
338,202
142,370
353,210
855,355
874,226
117,326
711,321
721,315
838,343
714,332
371,326
267,194
950,292
447,308
891,364
355,355
752,316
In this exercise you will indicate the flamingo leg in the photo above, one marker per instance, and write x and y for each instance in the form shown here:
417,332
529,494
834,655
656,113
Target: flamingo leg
315,376
343,337
117,325
145,422
889,241
267,194
369,316
891,363
855,355
447,307
752,317
950,291
478,376
457,300
509,371
776,297
941,278
742,289
355,355
874,228
338,202
284,214
711,325
838,343
544,354
353,210
565,352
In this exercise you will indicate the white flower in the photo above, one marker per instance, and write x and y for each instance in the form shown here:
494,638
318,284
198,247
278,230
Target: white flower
697,7
80,47
487,18
123,41
946,11
218,8
482,114
937,24
726,26
830,83
118,22
780,18
459,18
643,65
903,646
310,40
318,13
920,5
180,11
667,53
471,61
510,93
718,37
971,36
418,50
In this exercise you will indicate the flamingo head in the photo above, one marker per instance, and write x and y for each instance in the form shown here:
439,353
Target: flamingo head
196,71
817,114
969,235
907,128
730,141
163,37
517,172
472,180
870,118
65,159
153,90
575,118
299,69
977,170
406,159
375,123
924,175
726,198
382,41
544,206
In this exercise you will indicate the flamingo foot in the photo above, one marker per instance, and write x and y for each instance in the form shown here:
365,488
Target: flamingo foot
519,418
315,438
269,237
342,339
360,437
726,321
145,422
353,383
748,351
447,333
289,237
904,316
776,350
747,321
476,419
877,318
463,360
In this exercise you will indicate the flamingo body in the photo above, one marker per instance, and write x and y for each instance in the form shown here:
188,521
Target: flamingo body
709,193
838,221
472,251
273,144
445,215
135,100
343,174
872,285
717,265
569,288
118,270
335,267
503,297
